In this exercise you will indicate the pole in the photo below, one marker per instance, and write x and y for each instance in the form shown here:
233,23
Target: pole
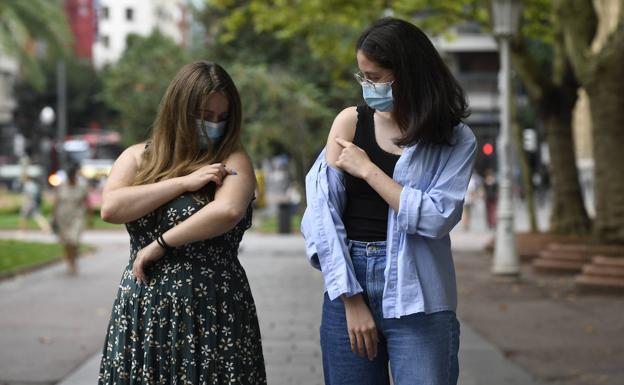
505,253
61,108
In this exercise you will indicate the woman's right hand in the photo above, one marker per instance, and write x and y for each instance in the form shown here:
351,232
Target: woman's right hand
362,330
211,173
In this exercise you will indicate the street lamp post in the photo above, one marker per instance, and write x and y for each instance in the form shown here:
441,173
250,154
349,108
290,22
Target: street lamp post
46,117
506,17
61,107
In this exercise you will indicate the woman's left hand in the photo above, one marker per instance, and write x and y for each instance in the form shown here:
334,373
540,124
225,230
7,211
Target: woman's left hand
144,258
353,159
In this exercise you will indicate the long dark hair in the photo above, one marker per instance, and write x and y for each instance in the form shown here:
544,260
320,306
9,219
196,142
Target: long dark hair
428,101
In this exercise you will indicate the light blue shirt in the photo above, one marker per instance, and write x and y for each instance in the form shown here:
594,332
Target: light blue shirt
419,273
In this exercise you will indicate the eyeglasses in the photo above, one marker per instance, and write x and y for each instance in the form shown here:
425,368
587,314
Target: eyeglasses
360,78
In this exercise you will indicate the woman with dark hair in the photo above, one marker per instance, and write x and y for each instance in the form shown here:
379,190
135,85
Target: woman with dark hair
382,198
184,313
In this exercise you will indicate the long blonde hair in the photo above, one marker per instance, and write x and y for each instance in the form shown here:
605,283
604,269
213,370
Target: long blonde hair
174,148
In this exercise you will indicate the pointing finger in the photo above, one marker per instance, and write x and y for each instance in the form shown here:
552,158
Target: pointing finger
231,171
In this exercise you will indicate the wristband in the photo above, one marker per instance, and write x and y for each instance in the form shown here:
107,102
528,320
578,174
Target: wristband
161,242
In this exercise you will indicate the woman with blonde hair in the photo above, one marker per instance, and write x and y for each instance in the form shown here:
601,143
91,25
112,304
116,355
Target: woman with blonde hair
184,312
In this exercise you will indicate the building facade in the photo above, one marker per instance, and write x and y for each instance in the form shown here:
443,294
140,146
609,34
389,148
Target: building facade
82,20
8,72
472,57
116,19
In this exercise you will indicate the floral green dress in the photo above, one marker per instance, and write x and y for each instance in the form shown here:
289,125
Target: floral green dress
195,322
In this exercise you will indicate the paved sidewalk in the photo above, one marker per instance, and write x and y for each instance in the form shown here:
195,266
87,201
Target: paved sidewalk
58,322
51,323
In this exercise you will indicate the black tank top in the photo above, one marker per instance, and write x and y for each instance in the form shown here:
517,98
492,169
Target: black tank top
366,215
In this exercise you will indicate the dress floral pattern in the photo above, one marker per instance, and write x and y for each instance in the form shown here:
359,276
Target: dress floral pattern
195,321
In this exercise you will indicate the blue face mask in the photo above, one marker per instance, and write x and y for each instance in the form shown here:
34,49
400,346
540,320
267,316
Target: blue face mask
209,131
379,97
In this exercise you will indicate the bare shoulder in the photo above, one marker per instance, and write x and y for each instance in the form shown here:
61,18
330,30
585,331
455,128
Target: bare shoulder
125,167
240,161
137,151
344,124
130,157
132,153
239,187
343,127
239,156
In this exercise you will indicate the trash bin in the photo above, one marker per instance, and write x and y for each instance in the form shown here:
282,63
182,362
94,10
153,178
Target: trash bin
284,214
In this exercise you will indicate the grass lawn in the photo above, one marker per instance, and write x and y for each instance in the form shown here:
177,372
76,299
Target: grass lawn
10,204
18,255
11,222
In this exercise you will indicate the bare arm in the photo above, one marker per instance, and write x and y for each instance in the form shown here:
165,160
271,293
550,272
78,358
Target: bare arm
122,202
232,199
228,208
341,137
355,161
343,127
431,213
361,327
385,186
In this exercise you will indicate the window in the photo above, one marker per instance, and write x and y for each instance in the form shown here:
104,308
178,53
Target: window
129,14
104,39
105,13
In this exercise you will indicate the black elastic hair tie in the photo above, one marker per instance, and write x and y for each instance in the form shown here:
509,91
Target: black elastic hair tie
161,242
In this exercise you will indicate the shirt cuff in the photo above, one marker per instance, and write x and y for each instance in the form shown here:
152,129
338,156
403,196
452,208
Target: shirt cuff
409,207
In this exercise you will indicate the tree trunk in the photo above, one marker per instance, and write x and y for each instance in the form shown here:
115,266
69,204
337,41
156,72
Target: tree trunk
599,69
606,98
568,214
553,97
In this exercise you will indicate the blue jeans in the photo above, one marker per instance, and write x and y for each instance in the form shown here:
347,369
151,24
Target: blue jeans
421,348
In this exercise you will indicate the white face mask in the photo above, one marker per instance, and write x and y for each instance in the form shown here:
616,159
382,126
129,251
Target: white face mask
208,131
379,96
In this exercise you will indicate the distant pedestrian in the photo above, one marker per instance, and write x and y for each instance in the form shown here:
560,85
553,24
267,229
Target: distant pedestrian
69,211
473,194
184,312
32,195
382,198
490,188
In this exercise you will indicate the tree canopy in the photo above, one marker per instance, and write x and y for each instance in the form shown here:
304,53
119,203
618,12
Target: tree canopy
23,24
135,84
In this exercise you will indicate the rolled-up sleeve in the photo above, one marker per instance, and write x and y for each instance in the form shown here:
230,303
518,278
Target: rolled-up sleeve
433,213
324,231
307,228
